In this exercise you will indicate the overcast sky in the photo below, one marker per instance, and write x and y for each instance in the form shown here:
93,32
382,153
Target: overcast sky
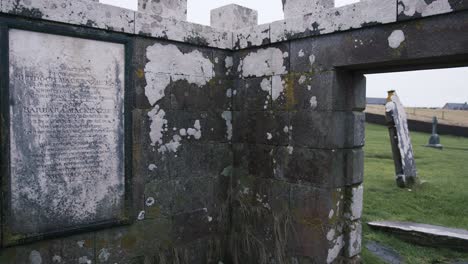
431,88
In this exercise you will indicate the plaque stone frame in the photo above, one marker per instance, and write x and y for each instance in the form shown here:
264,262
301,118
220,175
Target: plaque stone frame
9,236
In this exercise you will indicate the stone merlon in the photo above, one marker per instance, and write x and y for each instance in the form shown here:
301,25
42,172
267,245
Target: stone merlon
233,17
176,9
295,8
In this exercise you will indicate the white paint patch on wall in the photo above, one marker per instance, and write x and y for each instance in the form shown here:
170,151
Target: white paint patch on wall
195,131
141,215
437,7
156,84
227,116
150,201
84,260
413,7
312,59
313,102
152,167
301,53
56,259
277,87
264,62
104,255
158,123
169,59
167,63
228,63
35,257
396,38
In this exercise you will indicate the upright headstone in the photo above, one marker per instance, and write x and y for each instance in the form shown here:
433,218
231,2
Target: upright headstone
434,140
405,166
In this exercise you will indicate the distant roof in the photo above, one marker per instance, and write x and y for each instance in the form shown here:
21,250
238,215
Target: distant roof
456,106
376,101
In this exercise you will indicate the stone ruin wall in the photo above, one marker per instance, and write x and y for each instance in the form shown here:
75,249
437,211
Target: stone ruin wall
247,139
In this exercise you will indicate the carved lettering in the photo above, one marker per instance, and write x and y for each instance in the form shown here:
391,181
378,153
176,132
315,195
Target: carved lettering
67,131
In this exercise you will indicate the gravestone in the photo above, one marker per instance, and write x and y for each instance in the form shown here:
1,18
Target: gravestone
434,140
403,156
67,132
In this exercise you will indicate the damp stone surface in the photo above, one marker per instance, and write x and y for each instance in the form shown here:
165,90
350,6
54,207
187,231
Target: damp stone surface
136,136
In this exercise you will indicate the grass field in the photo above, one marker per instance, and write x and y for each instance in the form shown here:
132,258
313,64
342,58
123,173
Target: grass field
442,198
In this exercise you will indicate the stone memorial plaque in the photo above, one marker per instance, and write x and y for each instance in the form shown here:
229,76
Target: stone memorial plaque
66,132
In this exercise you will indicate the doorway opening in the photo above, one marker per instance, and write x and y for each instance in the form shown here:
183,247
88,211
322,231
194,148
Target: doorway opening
440,197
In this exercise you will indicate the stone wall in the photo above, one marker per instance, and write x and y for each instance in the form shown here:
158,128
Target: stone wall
246,139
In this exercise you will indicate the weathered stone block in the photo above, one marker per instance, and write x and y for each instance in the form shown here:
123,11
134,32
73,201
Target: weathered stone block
376,47
252,161
410,9
253,94
261,216
221,93
181,195
271,128
242,131
224,64
75,12
233,17
192,225
304,92
353,239
136,243
158,200
327,129
203,250
77,248
114,245
71,249
187,95
263,62
316,167
330,20
333,89
354,160
148,162
176,30
310,56
200,160
195,126
354,202
251,36
191,194
176,9
316,216
263,127
295,8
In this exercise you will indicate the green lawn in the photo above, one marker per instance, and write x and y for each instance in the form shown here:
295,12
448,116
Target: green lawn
441,199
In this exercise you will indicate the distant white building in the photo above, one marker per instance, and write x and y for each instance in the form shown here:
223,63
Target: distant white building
456,106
